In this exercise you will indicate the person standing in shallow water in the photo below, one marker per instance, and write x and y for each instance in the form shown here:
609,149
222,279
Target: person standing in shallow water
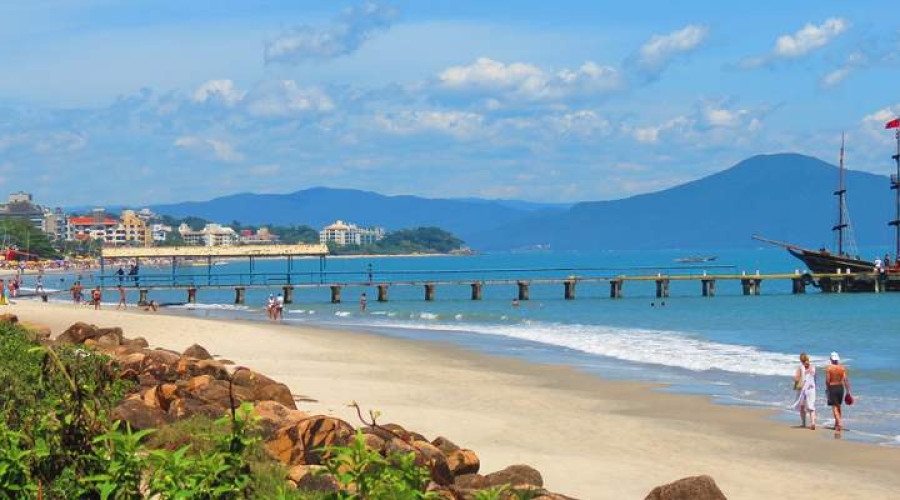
805,381
836,385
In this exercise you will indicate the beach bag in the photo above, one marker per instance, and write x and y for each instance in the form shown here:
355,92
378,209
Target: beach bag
798,384
848,399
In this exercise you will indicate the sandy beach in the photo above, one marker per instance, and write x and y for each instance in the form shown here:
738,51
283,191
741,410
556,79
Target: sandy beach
591,438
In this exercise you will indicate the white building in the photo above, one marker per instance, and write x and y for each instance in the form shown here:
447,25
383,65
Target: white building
213,235
343,233
159,232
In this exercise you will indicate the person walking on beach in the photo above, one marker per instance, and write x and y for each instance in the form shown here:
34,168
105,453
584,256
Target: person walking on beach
279,307
805,379
836,385
270,306
96,297
363,302
123,303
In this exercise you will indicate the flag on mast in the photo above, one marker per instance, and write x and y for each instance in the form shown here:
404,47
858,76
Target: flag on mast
895,123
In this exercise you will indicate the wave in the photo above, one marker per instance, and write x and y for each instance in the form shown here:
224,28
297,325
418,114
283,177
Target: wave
218,307
658,347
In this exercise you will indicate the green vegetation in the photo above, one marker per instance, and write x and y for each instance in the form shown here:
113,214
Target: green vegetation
406,241
27,238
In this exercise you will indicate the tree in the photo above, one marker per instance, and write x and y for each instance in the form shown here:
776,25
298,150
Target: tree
27,238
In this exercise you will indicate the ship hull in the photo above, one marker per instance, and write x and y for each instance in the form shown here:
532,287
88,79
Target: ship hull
827,263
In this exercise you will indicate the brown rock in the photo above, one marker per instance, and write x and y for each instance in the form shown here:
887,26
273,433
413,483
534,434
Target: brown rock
163,356
463,462
187,407
273,415
303,443
137,342
108,340
77,333
441,492
264,388
312,478
689,488
397,431
139,416
515,475
9,318
216,391
37,332
188,367
115,331
436,461
472,482
132,361
90,343
445,445
196,351
375,443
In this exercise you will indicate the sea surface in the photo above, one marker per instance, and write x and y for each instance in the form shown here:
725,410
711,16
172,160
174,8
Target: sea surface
737,349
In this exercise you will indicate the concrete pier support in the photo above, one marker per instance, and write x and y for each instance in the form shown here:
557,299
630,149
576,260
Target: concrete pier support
335,294
142,298
878,286
798,286
288,294
615,289
524,290
751,286
192,295
382,293
570,289
662,289
429,292
476,291
709,288
239,295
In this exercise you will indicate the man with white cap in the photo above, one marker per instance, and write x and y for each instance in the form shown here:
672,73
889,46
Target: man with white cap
836,384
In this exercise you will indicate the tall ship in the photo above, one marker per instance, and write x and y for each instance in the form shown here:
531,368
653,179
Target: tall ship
845,259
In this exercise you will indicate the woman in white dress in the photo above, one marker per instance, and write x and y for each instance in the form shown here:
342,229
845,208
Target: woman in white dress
805,382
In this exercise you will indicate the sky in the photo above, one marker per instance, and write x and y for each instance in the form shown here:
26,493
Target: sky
143,102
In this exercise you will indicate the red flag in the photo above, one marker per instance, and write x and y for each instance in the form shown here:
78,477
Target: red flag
893,123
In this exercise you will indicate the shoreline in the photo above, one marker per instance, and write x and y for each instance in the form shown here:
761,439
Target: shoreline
568,424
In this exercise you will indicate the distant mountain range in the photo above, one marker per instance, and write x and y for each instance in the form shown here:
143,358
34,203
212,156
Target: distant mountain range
782,196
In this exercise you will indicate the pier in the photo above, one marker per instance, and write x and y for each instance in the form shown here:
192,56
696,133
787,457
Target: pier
291,282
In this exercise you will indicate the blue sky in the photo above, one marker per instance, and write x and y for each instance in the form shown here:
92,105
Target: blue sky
156,101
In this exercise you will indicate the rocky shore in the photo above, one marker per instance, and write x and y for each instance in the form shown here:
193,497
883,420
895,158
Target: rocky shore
171,386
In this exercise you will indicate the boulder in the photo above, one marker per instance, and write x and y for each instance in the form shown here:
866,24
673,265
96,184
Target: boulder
187,407
140,416
216,392
375,443
196,351
188,367
273,415
312,478
37,332
77,333
689,488
163,356
397,431
9,318
108,340
515,475
472,482
264,388
436,462
304,442
463,462
132,361
137,342
115,331
161,396
445,445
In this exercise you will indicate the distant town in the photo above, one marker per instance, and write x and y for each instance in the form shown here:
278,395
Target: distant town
85,233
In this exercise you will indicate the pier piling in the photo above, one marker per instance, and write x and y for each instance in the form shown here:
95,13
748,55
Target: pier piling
615,288
382,293
288,294
429,292
192,295
751,286
662,289
569,289
709,288
335,294
142,298
798,286
524,290
476,291
239,295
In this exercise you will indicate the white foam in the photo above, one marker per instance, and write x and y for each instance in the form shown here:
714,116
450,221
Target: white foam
342,314
428,316
657,347
220,307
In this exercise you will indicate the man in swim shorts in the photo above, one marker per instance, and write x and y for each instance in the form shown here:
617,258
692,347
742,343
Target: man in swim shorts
836,384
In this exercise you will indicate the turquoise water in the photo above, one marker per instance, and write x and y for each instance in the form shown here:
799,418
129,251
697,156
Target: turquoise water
738,349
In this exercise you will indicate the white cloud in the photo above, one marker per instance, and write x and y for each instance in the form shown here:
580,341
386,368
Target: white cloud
218,149
284,98
655,55
458,124
855,60
345,35
802,43
583,123
223,90
528,82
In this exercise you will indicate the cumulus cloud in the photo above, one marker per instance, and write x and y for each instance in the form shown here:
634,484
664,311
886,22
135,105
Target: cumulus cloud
218,149
284,98
223,91
523,81
346,34
712,121
654,56
459,124
802,43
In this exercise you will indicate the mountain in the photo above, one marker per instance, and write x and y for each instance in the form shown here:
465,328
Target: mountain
782,196
321,206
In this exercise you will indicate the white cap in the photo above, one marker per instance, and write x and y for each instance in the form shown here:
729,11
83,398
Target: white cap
835,357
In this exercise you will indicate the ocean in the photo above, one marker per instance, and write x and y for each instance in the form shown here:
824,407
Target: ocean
737,349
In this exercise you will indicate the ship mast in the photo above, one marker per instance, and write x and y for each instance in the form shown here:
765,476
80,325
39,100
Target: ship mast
895,185
841,194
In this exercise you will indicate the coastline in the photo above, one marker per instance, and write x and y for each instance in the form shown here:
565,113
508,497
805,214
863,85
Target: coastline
591,438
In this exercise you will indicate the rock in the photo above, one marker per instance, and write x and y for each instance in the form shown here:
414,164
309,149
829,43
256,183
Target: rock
440,492
463,462
399,447
264,388
161,396
445,445
90,343
137,342
164,357
108,340
436,461
187,407
9,318
397,431
187,368
116,331
199,382
689,488
77,333
216,392
196,351
273,415
515,475
140,416
375,443
312,478
303,443
132,361
472,482
36,331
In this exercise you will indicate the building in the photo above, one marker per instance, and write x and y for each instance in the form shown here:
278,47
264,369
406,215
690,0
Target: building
21,207
160,233
56,224
96,226
261,237
132,230
343,233
213,235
